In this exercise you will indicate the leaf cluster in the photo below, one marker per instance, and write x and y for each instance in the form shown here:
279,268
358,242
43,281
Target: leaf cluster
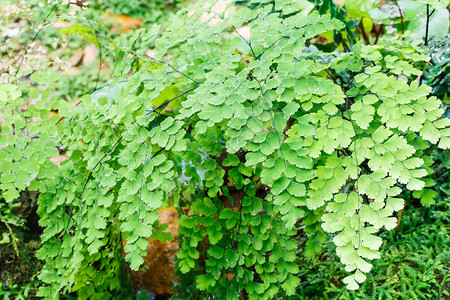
266,140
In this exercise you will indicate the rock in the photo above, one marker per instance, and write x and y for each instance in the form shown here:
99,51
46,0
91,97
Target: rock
89,54
123,23
159,271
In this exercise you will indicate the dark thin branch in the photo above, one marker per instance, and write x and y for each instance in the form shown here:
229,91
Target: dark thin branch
344,44
261,54
379,33
271,116
363,32
100,63
43,14
345,12
401,17
432,12
173,68
168,101
427,24
442,172
97,89
146,152
92,170
249,43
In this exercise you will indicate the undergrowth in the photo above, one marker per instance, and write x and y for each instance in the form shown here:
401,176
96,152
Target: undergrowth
289,160
414,262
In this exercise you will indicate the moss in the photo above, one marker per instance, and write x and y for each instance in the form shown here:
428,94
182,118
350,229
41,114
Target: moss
18,272
19,269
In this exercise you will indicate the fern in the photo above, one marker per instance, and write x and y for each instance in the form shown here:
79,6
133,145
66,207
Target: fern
267,140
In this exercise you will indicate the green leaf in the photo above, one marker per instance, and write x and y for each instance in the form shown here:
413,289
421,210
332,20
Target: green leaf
280,185
254,124
230,160
226,214
429,132
231,256
296,189
135,260
253,158
11,195
185,221
290,109
427,197
214,235
216,251
350,282
290,284
293,215
162,236
38,77
167,123
301,86
266,148
5,238
205,281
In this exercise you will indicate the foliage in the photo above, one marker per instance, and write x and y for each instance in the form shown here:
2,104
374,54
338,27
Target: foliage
258,141
18,292
369,20
261,140
20,154
425,19
8,218
27,124
413,265
18,275
438,73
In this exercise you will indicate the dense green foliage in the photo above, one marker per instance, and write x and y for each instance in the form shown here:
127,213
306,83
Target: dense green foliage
277,149
413,263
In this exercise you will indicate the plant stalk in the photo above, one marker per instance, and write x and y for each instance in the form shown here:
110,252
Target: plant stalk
427,25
